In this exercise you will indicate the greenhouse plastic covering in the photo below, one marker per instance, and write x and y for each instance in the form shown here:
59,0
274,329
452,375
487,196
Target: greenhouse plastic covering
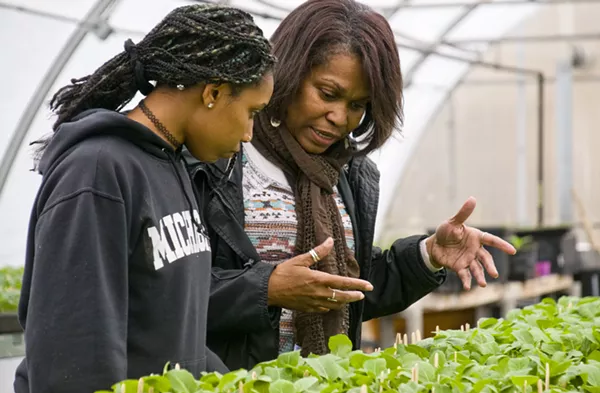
34,32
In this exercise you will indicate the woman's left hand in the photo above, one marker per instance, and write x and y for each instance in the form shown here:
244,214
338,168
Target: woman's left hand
460,248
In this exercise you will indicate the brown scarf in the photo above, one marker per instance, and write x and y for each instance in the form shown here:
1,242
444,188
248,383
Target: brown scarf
318,218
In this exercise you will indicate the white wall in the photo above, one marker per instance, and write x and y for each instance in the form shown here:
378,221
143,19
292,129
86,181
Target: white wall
484,112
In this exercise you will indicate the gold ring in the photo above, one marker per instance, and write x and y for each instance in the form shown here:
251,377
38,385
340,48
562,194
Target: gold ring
332,298
314,255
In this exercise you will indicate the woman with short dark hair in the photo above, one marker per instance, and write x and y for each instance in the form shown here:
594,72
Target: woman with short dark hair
305,180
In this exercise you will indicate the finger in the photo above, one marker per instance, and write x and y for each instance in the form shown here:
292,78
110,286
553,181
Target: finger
344,296
328,305
322,251
487,261
477,272
320,310
465,211
465,277
344,283
499,243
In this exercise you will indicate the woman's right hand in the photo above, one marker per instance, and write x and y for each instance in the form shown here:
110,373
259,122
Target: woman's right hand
294,286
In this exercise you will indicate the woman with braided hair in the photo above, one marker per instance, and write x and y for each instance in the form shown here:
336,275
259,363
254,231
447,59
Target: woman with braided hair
305,180
117,271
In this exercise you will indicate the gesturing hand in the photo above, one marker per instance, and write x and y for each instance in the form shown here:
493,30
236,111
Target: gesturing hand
460,248
293,285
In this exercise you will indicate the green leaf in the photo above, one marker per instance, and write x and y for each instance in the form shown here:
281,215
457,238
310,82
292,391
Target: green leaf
417,350
212,379
305,384
160,383
519,380
256,386
409,360
441,358
551,348
358,358
291,359
282,386
340,345
426,372
182,381
276,373
487,323
317,366
590,373
523,336
481,384
375,366
332,369
518,364
391,362
230,380
126,386
594,356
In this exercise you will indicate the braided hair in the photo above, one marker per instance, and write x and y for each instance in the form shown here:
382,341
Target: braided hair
191,45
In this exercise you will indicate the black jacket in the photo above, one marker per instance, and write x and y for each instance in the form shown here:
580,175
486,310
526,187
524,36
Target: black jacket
116,280
242,329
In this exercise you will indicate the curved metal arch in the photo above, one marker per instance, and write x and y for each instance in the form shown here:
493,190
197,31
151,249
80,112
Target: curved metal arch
440,41
100,10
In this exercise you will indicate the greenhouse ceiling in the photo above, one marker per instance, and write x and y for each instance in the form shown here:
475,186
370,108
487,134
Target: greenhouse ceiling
47,42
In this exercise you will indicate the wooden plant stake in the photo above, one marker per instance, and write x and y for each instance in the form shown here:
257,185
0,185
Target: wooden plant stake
455,357
540,386
462,328
418,335
398,338
405,339
467,327
306,374
140,388
547,376
413,338
524,386
417,373
437,329
363,389
241,387
177,366
436,360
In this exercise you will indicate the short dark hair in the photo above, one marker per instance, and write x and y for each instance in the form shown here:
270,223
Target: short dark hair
318,28
191,45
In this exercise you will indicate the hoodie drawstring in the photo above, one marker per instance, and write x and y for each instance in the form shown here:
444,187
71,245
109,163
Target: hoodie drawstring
199,228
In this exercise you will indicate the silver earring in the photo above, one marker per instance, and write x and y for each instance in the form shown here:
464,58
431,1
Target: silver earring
180,87
275,123
211,105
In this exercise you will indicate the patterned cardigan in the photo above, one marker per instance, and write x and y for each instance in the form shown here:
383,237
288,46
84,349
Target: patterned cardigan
270,221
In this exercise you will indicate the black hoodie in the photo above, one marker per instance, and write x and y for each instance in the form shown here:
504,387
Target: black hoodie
117,269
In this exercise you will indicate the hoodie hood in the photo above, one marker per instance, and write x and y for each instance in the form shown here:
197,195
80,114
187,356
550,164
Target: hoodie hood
100,122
